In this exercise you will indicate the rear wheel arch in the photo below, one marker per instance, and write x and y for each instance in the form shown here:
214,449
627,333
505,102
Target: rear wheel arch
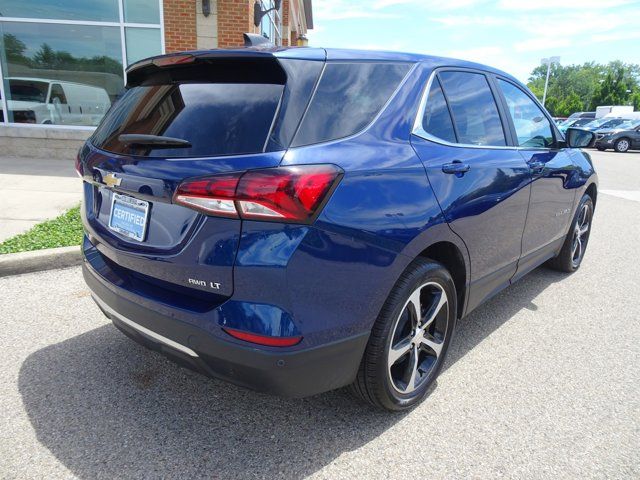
450,256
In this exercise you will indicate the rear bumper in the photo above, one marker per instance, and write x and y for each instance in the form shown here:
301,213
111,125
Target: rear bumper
298,373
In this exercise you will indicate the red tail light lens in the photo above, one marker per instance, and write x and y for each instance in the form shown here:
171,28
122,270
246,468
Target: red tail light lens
263,339
213,195
285,194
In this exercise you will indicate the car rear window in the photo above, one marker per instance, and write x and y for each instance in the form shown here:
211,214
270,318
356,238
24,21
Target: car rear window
348,97
215,118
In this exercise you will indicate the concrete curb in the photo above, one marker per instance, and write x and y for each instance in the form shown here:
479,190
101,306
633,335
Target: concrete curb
38,260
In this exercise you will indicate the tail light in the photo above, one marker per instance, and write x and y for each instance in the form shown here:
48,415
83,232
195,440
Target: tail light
283,194
263,339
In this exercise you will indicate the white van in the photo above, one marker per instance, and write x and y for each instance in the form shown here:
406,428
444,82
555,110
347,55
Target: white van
39,100
617,110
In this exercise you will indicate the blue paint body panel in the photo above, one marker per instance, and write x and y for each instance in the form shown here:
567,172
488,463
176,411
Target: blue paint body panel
327,281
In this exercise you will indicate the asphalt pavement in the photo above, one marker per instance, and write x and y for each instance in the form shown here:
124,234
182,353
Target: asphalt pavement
541,382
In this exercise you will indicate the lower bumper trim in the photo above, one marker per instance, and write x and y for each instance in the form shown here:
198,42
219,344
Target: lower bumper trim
145,331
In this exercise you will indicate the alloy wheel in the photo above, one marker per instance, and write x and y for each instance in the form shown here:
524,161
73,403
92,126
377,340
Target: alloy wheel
622,146
580,235
418,337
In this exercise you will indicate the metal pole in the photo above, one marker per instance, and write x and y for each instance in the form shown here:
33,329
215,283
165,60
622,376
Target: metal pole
546,83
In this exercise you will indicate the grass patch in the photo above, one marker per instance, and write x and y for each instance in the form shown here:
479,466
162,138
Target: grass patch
62,231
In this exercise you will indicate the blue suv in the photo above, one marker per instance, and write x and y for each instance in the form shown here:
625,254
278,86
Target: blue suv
299,220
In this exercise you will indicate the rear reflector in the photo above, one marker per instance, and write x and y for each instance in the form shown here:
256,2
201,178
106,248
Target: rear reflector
285,194
263,339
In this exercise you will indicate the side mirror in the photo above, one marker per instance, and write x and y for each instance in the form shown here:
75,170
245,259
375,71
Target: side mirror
578,138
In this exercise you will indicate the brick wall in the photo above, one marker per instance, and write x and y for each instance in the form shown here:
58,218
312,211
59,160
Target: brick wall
235,17
179,25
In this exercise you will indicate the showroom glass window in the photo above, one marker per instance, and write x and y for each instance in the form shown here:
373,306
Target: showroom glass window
271,23
63,62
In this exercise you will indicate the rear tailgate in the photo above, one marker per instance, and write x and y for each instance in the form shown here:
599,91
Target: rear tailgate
232,113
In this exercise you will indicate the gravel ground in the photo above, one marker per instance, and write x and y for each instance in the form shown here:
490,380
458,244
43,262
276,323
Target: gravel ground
541,382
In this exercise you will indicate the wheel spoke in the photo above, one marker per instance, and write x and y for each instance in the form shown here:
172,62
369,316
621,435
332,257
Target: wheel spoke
583,215
398,351
583,229
434,311
433,345
413,377
414,300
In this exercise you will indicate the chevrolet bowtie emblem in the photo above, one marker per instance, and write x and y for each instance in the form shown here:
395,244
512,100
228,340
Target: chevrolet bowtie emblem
110,180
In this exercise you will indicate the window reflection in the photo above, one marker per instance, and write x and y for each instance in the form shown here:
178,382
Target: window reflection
142,43
60,74
473,107
532,127
216,118
141,11
93,10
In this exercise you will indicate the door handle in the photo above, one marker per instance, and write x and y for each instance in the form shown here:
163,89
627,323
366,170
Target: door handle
456,167
536,166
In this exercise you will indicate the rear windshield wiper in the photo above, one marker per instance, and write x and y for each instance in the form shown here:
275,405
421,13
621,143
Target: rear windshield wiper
156,141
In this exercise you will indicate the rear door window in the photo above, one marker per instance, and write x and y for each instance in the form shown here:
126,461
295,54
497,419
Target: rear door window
347,99
215,118
473,107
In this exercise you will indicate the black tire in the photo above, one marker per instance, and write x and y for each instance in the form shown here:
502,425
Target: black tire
374,383
568,260
622,145
602,149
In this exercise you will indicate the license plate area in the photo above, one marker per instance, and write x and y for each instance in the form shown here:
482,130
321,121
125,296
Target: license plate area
129,216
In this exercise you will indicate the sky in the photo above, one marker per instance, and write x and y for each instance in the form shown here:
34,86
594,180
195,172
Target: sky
513,35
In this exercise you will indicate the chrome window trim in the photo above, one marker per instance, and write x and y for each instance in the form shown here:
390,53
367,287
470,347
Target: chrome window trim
145,331
419,131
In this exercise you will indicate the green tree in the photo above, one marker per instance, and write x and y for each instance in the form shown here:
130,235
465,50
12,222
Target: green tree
583,87
45,57
635,100
14,49
614,89
570,104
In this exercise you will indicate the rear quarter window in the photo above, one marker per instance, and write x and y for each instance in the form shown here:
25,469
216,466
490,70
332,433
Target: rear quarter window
348,97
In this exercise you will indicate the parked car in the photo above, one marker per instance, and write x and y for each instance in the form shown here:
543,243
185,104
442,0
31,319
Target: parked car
624,137
620,110
603,123
299,220
38,100
591,115
574,122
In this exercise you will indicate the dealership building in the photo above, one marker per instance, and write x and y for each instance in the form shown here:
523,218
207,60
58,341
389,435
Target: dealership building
63,62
